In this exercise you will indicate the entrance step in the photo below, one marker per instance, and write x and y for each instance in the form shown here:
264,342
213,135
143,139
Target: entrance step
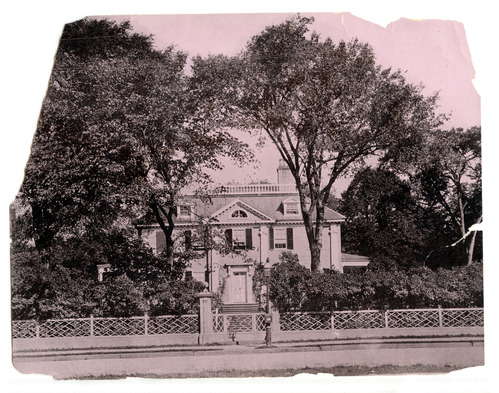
241,308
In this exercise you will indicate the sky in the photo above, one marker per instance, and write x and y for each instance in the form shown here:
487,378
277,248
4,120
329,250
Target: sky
434,53
30,31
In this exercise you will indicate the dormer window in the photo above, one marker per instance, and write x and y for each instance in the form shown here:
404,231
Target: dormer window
291,209
239,214
184,211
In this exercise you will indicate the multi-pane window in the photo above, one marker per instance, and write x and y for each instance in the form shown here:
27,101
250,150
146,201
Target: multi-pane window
239,238
280,238
291,208
239,213
192,241
184,211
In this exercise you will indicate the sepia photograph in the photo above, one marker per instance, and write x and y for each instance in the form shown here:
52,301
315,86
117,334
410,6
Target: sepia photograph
251,195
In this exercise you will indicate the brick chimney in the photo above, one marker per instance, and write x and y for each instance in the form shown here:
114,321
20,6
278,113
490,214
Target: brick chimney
284,175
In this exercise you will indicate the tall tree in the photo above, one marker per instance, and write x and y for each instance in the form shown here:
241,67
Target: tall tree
327,107
79,163
121,128
384,220
448,172
445,172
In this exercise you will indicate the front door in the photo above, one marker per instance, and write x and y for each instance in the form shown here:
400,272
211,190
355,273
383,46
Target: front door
239,287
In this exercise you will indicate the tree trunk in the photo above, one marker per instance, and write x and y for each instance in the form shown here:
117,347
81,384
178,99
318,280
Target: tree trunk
167,230
315,256
170,242
313,236
169,252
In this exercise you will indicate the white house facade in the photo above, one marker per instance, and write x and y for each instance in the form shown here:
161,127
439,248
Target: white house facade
259,222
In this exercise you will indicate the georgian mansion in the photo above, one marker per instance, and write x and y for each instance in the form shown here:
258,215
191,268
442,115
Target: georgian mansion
259,221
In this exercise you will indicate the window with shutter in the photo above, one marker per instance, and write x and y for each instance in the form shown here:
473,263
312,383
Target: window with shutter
228,237
249,238
188,240
289,236
271,238
280,238
239,238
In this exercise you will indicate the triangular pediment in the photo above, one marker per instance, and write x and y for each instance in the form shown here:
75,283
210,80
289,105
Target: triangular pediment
239,211
291,200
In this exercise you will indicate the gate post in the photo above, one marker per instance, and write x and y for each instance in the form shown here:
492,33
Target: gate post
205,316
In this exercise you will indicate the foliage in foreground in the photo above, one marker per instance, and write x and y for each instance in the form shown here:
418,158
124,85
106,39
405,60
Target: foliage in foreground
102,155
294,288
68,287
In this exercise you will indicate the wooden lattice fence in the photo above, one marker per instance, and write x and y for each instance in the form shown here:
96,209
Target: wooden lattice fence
250,323
106,327
391,319
238,323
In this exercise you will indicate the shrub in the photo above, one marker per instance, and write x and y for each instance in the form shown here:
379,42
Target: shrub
175,297
119,297
42,293
288,283
295,288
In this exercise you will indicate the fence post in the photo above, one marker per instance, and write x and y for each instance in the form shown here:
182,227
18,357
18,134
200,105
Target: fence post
205,316
276,325
440,319
146,324
91,325
332,321
386,319
37,329
253,325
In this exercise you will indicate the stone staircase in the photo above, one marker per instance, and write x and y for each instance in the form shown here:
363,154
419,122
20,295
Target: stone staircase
241,308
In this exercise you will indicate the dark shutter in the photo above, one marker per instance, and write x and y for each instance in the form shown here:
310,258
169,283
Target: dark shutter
160,241
249,239
289,238
188,240
228,237
271,238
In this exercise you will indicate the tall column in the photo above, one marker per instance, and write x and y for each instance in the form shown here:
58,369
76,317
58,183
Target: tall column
209,268
249,286
264,243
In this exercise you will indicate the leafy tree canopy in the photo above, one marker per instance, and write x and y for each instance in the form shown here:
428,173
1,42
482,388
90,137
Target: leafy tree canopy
119,133
326,106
